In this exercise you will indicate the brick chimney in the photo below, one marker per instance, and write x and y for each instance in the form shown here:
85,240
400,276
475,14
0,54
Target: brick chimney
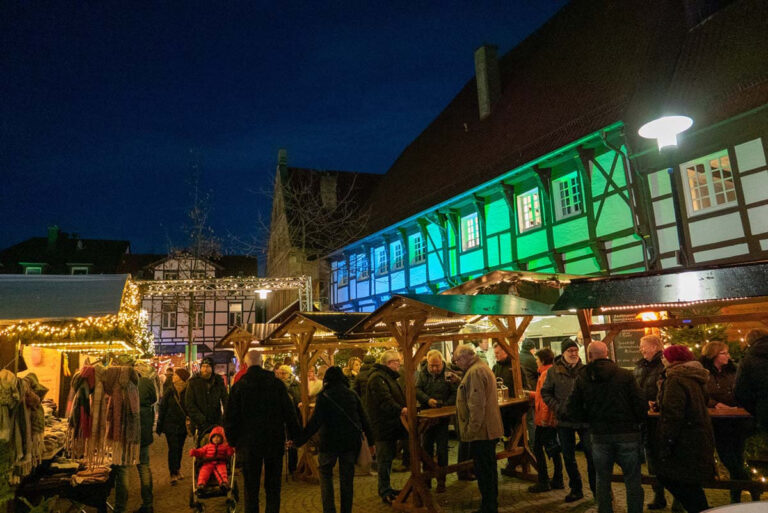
488,80
53,237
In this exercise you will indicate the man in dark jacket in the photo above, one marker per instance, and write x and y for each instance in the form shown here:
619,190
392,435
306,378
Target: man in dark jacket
555,392
433,391
258,415
530,375
607,398
386,404
751,388
206,398
509,416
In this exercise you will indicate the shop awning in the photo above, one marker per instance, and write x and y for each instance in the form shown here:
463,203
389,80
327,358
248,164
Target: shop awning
667,289
484,304
331,325
59,297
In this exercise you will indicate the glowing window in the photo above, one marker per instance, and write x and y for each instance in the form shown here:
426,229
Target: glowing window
235,314
381,261
418,249
709,182
169,316
528,210
568,199
470,232
397,255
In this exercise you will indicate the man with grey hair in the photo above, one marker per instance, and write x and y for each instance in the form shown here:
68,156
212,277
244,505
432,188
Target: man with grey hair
477,409
386,404
607,398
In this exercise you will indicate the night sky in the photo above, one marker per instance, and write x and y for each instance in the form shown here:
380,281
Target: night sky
104,109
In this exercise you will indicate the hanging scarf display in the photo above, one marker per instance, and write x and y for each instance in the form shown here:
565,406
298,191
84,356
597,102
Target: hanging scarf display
123,430
96,453
79,411
34,401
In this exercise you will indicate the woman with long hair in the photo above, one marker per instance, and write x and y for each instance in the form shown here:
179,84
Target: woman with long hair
353,367
172,421
340,418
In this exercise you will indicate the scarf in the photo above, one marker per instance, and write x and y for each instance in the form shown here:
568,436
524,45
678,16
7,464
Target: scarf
33,399
96,450
123,429
79,415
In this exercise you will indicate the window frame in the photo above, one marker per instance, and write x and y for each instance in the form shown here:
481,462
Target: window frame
470,232
198,275
398,255
231,312
174,274
577,206
343,274
198,322
169,313
419,253
38,269
710,184
520,203
363,271
382,260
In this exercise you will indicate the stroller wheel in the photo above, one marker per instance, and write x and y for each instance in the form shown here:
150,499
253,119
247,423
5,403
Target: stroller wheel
235,492
231,506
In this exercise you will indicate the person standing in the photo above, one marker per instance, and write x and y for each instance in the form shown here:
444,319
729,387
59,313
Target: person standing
751,387
360,384
546,432
386,404
477,410
555,392
340,418
205,399
434,391
258,416
530,375
172,421
168,379
510,417
606,397
484,351
685,438
285,374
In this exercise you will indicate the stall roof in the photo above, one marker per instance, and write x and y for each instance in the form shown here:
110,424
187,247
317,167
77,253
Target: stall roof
59,297
542,287
667,288
337,323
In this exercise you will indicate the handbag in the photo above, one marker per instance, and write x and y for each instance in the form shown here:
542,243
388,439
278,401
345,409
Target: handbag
364,458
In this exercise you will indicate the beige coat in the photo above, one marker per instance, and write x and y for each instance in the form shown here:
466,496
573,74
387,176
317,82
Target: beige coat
477,405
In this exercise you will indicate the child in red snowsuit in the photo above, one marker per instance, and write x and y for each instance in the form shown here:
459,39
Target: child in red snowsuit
214,455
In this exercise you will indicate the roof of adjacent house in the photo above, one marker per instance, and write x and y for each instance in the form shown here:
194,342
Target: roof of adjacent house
140,265
101,256
595,63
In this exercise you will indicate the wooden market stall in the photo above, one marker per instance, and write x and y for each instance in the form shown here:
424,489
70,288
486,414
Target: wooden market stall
312,336
418,321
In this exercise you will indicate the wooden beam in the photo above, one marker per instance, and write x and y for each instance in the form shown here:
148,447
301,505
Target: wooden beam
585,323
683,321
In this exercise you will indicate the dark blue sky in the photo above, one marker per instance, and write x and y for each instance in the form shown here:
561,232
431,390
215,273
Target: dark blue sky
102,105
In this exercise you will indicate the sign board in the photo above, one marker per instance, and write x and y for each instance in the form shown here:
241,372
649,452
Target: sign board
626,345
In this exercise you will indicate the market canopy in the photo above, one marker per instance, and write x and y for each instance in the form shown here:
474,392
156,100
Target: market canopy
542,287
326,328
667,289
59,297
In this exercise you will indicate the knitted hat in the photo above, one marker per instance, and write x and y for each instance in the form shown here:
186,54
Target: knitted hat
678,353
207,361
567,344
182,373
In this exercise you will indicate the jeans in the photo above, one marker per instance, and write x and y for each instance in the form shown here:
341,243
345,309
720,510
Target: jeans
326,461
145,480
175,450
626,450
730,438
438,436
385,453
546,440
567,438
273,467
689,495
484,456
530,426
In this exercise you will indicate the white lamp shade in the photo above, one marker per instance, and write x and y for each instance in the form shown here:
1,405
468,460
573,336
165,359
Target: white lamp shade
665,129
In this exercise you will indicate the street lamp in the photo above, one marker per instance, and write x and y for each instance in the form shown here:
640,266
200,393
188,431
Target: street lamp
665,130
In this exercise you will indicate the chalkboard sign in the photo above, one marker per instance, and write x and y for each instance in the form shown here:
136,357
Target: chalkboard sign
626,345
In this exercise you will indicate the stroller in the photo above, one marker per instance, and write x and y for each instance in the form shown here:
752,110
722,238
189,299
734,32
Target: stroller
199,494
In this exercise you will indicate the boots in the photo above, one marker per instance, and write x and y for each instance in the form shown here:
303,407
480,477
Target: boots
659,501
557,478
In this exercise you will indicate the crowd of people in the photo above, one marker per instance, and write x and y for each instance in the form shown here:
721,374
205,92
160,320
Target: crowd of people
594,404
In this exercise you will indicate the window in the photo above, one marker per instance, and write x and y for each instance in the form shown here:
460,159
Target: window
33,269
568,198
198,315
169,316
235,314
362,267
397,255
470,233
343,274
197,275
171,275
528,210
418,249
78,270
381,260
709,181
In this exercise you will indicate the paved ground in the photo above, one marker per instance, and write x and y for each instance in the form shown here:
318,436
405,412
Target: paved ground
303,497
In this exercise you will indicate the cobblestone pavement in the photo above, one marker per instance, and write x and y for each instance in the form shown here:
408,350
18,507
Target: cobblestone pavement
462,496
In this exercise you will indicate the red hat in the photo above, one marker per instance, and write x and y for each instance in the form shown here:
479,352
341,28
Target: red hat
678,353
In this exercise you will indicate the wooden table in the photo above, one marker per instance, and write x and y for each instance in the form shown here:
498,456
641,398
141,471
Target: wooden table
718,413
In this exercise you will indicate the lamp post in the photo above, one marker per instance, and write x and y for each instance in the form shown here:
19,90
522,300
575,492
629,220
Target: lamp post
665,131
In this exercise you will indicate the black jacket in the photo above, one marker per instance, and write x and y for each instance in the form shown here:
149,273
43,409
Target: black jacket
561,378
503,370
205,400
607,398
529,370
647,374
172,418
385,400
340,418
259,413
435,387
147,399
720,384
751,387
360,384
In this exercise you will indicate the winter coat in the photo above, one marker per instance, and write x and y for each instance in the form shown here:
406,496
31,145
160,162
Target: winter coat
259,413
529,370
212,451
720,384
205,400
147,400
477,404
340,418
294,390
686,444
647,374
503,370
429,387
542,415
607,398
385,400
360,385
751,387
172,418
557,388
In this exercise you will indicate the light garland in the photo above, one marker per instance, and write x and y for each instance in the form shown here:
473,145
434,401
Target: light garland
251,284
658,306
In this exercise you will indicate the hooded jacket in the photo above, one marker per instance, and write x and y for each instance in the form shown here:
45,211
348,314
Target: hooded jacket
212,451
751,386
384,401
557,388
647,374
686,443
606,397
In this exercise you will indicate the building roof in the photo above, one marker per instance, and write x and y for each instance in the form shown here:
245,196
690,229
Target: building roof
595,63
141,265
60,297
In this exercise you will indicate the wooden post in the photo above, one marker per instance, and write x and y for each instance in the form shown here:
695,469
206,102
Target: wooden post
306,469
585,322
